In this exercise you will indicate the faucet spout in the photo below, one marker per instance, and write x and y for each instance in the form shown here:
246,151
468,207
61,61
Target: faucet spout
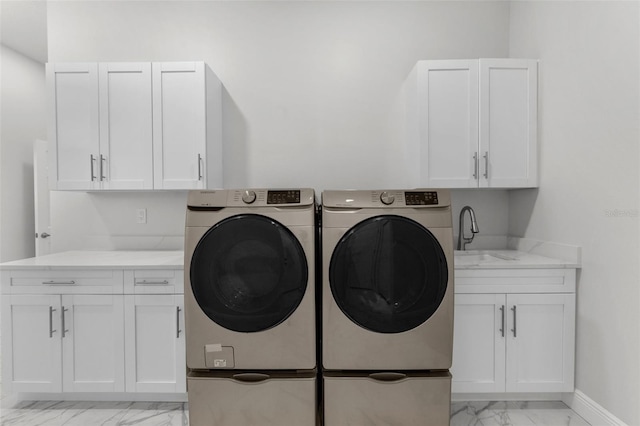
462,240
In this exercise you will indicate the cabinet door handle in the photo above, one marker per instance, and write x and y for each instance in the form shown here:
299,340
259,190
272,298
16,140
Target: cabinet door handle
475,165
102,160
514,329
486,164
51,330
64,329
178,331
92,161
502,322
199,167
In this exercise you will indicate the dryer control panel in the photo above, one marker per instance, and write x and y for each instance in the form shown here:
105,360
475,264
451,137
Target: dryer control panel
390,198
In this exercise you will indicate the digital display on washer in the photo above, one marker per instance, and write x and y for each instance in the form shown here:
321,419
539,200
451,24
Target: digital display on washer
283,197
421,198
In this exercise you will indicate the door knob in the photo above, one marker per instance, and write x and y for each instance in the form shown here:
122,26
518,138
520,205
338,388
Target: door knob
44,235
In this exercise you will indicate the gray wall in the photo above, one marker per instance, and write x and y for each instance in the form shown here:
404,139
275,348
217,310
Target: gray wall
314,94
589,181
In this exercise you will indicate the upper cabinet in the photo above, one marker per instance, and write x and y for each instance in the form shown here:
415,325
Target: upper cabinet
132,126
475,122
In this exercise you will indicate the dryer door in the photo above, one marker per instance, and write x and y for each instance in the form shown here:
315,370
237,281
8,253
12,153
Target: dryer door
388,274
248,273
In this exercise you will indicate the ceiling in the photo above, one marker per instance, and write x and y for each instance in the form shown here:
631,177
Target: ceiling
23,27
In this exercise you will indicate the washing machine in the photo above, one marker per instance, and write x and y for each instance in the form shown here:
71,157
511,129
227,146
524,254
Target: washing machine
249,280
387,288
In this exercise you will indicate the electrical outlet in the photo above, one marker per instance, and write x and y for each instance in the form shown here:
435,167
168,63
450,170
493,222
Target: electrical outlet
141,216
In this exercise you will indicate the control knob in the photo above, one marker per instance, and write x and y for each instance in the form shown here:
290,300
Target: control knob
387,198
248,197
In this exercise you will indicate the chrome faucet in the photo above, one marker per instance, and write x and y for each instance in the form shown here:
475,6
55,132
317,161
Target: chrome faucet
474,228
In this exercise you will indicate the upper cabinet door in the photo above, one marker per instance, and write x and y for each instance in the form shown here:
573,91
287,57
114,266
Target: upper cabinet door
179,129
73,125
508,123
448,109
126,144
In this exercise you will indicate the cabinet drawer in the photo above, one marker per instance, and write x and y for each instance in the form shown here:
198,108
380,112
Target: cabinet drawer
71,281
154,281
558,280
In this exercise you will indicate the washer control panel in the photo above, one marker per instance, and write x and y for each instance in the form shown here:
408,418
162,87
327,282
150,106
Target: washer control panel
283,197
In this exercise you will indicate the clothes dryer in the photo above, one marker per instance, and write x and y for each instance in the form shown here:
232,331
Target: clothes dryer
249,280
387,290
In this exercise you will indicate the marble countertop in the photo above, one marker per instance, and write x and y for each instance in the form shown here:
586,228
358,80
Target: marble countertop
87,259
507,259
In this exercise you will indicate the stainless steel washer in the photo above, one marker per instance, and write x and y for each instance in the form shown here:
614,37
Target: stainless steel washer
249,279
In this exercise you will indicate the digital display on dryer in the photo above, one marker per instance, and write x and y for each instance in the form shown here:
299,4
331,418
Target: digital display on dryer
283,197
421,198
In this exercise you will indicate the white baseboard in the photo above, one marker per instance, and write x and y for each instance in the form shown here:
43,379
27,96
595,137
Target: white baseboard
590,410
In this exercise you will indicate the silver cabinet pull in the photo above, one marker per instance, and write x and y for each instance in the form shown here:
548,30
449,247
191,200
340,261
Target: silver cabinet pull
486,164
199,167
178,331
475,165
102,160
514,329
51,330
64,329
502,324
145,282
53,282
93,160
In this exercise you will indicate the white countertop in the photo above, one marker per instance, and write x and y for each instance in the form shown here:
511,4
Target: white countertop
87,259
507,259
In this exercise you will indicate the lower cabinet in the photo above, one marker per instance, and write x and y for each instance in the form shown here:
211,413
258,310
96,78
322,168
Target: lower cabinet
514,343
63,343
155,343
126,337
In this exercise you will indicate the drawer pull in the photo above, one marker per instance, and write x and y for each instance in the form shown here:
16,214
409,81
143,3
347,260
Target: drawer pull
145,282
52,282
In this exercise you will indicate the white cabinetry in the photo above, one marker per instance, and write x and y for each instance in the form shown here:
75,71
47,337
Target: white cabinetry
474,122
187,128
93,330
155,342
127,126
60,341
514,341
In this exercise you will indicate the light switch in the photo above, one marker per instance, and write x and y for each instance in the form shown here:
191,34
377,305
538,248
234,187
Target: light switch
141,216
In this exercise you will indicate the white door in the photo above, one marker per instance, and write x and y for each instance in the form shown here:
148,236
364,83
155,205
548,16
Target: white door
73,125
540,351
155,358
479,343
31,345
93,343
179,126
508,123
126,146
41,198
448,103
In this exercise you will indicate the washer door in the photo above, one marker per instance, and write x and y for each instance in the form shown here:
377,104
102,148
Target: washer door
248,273
388,274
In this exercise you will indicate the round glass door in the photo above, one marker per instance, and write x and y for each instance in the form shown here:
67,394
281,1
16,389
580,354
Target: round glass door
248,273
388,274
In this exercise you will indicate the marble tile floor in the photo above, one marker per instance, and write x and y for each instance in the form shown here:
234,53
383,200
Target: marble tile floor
59,413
